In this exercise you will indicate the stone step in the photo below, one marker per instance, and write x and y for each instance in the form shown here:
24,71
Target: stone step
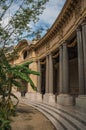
63,118
58,125
72,111
75,117
72,120
67,123
61,125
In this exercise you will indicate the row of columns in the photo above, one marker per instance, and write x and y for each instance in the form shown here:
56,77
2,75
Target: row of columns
64,73
64,66
49,75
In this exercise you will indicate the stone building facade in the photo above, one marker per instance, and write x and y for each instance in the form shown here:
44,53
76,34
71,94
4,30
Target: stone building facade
60,57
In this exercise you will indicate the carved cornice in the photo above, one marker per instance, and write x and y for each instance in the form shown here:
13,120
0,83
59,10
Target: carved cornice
21,43
70,7
31,47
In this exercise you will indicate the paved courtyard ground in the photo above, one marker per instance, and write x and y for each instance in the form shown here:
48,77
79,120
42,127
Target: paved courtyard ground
28,118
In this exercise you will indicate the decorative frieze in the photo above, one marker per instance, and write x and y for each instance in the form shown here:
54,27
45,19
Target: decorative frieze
78,9
47,46
60,34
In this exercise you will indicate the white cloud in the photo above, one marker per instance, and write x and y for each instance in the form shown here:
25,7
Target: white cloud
10,12
53,8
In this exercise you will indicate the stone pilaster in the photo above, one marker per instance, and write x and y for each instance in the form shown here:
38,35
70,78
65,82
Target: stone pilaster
80,62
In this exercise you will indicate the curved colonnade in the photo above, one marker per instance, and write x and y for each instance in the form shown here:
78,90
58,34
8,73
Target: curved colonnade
60,57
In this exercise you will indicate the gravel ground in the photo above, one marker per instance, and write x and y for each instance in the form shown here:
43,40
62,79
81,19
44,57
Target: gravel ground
28,118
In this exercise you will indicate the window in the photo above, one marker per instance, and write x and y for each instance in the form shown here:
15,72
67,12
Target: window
25,54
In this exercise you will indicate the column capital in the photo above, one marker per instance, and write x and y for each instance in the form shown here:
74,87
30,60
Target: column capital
79,28
50,53
84,21
38,60
64,43
47,55
60,47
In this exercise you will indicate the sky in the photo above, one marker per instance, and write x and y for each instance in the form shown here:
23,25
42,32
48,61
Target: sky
53,8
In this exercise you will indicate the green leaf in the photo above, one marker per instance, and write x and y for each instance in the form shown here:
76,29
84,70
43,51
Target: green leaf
13,95
32,84
16,83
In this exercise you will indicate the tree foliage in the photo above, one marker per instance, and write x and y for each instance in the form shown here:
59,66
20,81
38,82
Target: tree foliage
22,14
11,76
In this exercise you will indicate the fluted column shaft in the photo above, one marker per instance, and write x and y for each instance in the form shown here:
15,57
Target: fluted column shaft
65,70
47,74
39,77
61,69
80,61
84,48
50,74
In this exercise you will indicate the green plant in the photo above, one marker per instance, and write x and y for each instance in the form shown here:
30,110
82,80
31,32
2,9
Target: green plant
10,76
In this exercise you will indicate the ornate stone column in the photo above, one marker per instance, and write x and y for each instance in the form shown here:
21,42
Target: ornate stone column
39,77
47,74
39,95
46,95
81,38
65,69
64,98
84,48
50,74
49,97
60,69
80,62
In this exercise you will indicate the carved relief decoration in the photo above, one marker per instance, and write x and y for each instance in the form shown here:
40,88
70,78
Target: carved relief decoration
60,34
78,9
47,46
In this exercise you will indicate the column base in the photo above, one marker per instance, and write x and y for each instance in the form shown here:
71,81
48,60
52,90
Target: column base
38,97
31,96
81,102
34,97
49,98
46,98
65,100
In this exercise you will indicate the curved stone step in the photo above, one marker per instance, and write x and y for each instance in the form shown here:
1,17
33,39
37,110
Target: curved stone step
62,118
74,118
58,125
67,123
72,112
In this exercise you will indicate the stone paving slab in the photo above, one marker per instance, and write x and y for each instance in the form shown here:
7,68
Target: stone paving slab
29,118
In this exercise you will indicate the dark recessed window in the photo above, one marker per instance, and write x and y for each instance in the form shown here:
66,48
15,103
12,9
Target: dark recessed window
25,54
